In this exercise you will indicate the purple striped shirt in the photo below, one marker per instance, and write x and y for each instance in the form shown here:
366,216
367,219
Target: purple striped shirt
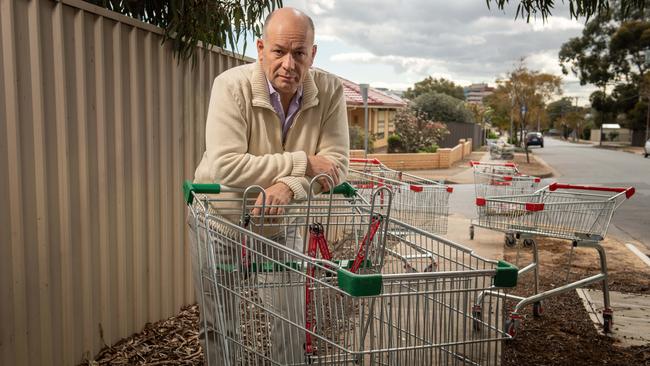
294,106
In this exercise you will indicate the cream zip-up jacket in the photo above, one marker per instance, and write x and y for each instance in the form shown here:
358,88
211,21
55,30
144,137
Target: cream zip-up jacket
243,134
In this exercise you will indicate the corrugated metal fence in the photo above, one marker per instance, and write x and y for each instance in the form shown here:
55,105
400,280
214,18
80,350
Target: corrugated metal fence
99,125
461,130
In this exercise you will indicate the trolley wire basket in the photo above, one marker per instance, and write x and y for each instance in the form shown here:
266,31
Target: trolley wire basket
346,285
421,202
501,179
578,213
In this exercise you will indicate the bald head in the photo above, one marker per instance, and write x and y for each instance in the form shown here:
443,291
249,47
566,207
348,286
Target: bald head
288,15
287,50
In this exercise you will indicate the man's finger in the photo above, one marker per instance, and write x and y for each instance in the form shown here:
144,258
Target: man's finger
269,205
256,211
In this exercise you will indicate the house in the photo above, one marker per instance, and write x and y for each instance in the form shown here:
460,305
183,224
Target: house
381,110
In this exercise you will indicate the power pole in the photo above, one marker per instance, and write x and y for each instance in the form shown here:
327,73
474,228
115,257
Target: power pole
512,106
364,94
578,121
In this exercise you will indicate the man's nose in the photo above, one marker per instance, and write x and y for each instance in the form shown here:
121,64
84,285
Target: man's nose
288,62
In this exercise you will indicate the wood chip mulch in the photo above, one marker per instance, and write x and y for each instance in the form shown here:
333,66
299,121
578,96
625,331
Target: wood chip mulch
173,341
564,334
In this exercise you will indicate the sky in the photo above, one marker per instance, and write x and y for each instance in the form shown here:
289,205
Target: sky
395,43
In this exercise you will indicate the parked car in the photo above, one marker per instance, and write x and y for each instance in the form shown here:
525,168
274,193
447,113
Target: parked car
647,148
534,138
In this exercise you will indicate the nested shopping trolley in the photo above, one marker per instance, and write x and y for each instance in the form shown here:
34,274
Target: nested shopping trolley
578,213
500,179
421,202
356,288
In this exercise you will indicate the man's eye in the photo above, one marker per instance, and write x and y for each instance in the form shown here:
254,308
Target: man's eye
277,52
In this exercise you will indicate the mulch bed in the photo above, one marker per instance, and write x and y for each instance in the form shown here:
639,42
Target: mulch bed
174,341
534,168
564,334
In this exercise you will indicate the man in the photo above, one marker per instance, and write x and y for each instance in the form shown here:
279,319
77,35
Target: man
275,123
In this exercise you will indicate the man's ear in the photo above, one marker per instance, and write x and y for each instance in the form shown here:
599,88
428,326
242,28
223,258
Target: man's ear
259,44
314,48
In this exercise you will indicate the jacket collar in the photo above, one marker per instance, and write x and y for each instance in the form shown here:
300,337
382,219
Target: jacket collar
260,90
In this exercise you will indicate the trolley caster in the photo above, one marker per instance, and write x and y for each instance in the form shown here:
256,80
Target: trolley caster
477,316
430,268
538,310
471,233
608,320
510,240
529,243
512,323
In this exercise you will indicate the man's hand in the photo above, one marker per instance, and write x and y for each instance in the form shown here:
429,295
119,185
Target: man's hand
278,194
322,165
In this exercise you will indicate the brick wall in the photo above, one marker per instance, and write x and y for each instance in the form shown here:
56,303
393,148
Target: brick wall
444,158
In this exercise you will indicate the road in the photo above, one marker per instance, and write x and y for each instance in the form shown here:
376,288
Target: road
585,164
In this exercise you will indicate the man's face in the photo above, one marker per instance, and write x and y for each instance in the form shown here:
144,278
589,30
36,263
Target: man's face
286,54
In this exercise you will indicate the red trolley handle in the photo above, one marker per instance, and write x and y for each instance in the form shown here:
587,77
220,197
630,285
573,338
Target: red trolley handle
361,160
510,165
629,192
363,248
317,242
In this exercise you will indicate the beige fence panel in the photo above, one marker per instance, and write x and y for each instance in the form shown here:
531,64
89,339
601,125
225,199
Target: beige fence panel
99,125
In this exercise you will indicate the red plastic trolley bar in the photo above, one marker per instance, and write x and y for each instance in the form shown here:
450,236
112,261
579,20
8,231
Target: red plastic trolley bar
629,191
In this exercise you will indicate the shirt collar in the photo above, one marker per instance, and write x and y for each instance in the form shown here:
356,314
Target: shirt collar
272,90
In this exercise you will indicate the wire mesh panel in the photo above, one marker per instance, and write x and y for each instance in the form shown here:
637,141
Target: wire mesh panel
501,179
356,288
421,202
559,211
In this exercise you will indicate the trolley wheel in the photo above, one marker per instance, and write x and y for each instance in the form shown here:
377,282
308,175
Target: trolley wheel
477,315
538,310
511,325
608,321
529,242
471,233
510,240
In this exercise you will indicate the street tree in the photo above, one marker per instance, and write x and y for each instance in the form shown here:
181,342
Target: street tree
442,107
500,105
577,8
440,85
528,91
558,110
221,23
610,54
417,132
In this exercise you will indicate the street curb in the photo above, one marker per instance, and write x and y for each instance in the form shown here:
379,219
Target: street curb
553,173
644,258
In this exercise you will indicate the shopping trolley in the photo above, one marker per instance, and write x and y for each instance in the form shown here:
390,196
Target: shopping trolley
500,179
421,202
500,150
395,307
581,214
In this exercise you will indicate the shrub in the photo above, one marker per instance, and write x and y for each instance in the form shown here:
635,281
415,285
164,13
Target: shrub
394,144
613,135
430,149
416,131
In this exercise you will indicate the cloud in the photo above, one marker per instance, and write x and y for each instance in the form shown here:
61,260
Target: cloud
461,39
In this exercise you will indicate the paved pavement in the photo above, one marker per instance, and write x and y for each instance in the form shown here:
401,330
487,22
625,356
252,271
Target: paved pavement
585,164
